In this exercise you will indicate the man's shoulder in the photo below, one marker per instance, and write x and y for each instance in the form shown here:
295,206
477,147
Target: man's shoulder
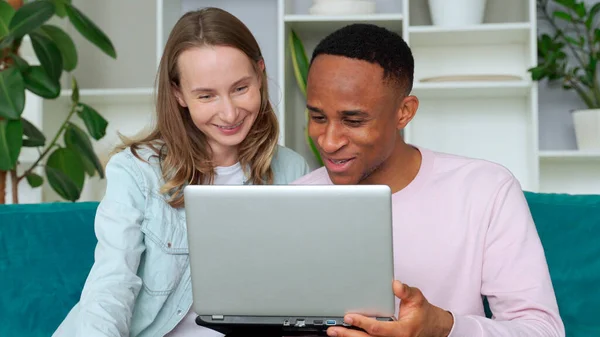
471,169
316,177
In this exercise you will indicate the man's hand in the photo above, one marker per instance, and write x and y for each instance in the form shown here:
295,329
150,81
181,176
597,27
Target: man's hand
416,318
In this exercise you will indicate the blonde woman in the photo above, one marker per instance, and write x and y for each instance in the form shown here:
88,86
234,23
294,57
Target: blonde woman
215,125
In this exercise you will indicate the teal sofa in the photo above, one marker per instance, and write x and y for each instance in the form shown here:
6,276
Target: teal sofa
46,251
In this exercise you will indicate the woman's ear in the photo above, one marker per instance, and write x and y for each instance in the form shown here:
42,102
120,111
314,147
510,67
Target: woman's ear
261,65
178,95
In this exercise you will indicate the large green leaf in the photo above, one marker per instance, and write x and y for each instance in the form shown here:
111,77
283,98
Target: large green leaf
299,61
94,122
12,93
90,30
60,7
48,53
19,62
38,82
34,136
65,173
77,140
65,44
11,132
34,180
29,17
6,14
62,184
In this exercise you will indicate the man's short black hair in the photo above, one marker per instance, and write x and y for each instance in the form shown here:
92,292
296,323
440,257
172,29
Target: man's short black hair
373,44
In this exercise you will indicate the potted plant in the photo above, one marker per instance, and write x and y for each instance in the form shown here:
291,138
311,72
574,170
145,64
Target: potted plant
300,63
570,55
69,155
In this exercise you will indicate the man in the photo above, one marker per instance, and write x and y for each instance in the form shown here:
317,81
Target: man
462,227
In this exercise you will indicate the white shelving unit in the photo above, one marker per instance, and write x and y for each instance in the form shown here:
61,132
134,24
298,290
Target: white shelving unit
494,120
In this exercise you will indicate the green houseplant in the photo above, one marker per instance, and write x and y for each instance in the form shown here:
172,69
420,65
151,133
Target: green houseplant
570,55
68,156
301,64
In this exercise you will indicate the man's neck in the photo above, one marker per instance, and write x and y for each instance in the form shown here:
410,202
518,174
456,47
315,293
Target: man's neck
399,170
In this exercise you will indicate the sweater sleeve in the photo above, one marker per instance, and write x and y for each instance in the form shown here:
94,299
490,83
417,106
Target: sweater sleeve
515,279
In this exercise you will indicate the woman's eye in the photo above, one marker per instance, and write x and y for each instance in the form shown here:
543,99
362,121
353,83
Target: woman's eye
241,88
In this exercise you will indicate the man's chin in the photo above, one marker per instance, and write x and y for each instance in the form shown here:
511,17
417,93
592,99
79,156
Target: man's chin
342,179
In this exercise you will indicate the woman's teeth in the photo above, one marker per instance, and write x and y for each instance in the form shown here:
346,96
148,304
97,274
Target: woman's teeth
231,127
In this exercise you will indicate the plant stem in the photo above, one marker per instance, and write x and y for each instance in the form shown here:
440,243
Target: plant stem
2,187
585,97
14,182
52,143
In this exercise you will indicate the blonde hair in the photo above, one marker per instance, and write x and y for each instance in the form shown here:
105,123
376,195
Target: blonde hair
183,151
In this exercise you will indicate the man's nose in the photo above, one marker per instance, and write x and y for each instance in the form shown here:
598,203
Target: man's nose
332,139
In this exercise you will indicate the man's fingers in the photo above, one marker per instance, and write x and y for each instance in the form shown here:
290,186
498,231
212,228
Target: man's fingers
372,326
339,331
405,293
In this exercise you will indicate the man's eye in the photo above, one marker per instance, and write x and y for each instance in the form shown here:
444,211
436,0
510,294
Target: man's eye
318,119
353,122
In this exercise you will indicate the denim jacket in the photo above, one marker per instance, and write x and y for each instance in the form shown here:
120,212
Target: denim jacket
140,284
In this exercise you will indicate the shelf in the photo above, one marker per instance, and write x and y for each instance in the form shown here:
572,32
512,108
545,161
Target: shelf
570,155
329,23
472,89
485,34
104,96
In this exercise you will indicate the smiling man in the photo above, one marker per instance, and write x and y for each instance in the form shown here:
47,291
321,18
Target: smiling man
462,227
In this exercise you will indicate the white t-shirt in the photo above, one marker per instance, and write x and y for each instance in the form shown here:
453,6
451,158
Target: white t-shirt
230,175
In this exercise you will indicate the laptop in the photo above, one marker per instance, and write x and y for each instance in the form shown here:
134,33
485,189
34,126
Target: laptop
289,259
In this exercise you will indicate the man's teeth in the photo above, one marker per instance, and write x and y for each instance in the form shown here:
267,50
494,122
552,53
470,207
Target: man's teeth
230,127
339,161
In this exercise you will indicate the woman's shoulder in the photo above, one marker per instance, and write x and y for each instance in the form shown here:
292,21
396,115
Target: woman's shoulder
140,162
288,165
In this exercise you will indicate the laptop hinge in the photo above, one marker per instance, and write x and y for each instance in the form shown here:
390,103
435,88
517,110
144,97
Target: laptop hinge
218,317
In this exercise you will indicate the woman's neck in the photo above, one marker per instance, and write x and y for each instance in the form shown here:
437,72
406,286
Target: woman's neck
224,155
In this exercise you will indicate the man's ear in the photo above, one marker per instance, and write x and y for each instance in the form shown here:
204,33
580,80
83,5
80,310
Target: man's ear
406,111
178,95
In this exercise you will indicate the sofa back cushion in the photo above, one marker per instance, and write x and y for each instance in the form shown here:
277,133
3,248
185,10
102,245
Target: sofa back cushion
46,252
569,227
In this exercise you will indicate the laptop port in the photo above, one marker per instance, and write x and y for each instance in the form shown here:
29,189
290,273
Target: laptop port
300,323
286,322
318,322
330,322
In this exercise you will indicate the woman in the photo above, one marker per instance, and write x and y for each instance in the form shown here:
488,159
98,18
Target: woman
215,125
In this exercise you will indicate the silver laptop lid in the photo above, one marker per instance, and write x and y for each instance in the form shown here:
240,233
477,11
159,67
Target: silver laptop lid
319,251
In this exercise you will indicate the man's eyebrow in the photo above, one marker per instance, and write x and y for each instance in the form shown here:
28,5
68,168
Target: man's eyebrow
314,109
354,113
